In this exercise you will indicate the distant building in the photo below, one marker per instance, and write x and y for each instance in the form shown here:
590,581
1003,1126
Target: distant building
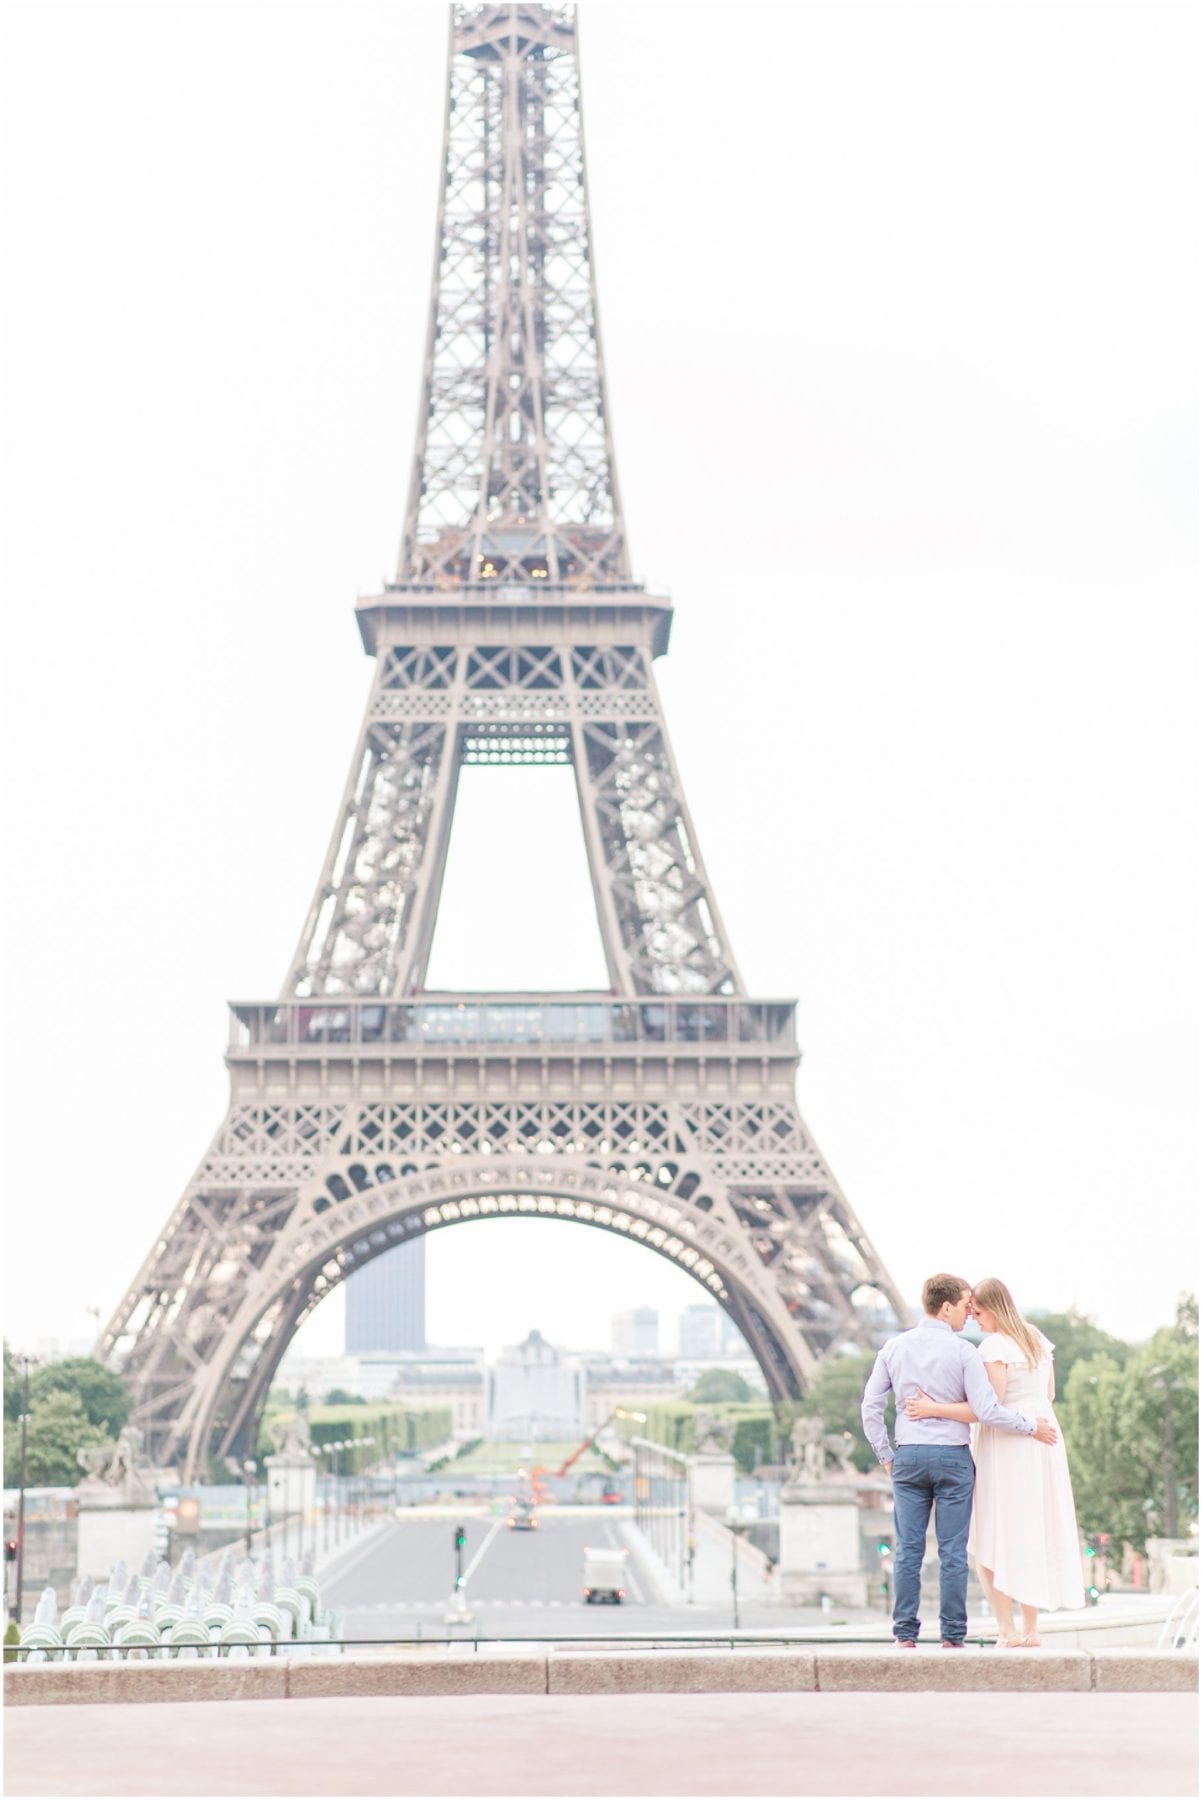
386,1303
701,1331
706,1330
733,1341
535,1393
423,1381
635,1333
638,1386
317,1376
453,1379
688,1371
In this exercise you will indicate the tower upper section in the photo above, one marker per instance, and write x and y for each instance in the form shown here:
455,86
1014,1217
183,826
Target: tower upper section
513,474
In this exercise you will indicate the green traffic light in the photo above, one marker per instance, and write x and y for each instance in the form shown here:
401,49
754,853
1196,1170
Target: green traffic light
882,1549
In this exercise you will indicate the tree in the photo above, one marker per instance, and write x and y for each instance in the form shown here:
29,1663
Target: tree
12,1387
754,1440
1108,1492
715,1385
104,1397
1077,1338
340,1397
1132,1432
58,1427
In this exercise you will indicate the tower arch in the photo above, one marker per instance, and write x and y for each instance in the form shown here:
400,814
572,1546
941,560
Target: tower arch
236,1331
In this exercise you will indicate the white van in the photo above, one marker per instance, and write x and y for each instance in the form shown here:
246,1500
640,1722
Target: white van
605,1575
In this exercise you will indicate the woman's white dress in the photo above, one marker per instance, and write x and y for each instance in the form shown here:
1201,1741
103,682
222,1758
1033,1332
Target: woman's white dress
1024,1526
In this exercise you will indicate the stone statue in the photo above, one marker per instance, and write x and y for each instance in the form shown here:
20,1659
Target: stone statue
713,1436
291,1436
123,1465
816,1455
837,1446
807,1457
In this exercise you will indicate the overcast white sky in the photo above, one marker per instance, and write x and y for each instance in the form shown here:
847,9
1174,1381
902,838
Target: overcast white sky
899,305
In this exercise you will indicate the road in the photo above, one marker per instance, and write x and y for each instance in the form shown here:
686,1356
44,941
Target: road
397,1584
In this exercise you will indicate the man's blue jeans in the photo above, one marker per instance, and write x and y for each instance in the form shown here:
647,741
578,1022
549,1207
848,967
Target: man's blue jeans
942,1476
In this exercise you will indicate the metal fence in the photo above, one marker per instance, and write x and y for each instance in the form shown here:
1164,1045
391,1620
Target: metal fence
663,1508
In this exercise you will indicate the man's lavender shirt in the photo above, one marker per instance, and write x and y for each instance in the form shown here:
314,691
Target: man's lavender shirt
931,1356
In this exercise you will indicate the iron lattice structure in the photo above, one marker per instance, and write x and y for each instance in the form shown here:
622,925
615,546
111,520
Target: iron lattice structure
365,1110
514,475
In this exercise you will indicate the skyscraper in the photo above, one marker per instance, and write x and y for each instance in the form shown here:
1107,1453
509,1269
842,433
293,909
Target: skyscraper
635,1333
386,1302
701,1330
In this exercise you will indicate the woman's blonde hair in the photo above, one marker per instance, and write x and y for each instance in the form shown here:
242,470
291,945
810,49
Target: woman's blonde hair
996,1298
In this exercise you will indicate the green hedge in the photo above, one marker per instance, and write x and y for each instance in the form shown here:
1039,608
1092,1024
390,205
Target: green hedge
395,1429
757,1432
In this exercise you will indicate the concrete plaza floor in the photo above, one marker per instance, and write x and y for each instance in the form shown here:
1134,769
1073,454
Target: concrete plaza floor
649,1744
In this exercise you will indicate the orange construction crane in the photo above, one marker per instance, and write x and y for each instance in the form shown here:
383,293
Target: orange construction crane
540,1493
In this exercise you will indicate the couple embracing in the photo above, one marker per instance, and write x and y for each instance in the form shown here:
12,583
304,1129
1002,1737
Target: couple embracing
1008,1500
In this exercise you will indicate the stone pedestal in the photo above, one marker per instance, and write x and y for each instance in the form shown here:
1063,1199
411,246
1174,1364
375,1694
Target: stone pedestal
113,1525
712,1481
1173,1563
820,1549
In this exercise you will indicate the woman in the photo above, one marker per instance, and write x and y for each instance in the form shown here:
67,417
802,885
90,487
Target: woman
1024,1528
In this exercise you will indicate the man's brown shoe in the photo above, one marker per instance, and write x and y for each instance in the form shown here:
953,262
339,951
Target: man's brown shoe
905,1643
951,1644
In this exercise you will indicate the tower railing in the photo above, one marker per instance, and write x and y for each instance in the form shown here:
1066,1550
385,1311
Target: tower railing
490,1020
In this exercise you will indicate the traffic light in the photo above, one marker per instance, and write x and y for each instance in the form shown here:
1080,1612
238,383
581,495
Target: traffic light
1091,1546
10,1549
460,1537
1091,1594
883,1547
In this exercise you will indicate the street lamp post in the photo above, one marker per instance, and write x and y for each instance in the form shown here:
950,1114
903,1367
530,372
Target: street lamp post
330,1450
368,1443
248,1473
640,1510
339,1447
1161,1381
315,1450
21,1488
353,1486
736,1526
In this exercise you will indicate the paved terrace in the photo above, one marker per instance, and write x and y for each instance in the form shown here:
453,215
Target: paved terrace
883,1743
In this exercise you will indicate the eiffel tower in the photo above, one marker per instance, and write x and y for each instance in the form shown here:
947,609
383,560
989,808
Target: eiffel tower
365,1109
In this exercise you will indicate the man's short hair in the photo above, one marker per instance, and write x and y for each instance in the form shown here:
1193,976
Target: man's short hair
938,1288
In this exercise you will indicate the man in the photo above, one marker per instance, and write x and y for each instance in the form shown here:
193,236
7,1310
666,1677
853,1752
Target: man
933,1464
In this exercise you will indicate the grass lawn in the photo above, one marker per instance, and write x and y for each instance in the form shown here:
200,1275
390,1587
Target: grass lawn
507,1459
